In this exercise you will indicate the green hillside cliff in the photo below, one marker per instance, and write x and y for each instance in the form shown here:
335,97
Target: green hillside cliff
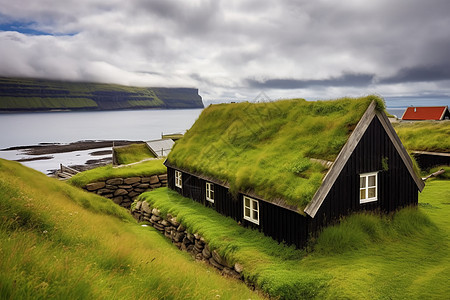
24,94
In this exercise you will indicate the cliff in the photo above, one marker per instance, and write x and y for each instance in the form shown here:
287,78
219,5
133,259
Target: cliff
24,94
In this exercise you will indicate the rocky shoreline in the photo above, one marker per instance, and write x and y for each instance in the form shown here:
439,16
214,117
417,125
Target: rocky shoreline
47,152
51,148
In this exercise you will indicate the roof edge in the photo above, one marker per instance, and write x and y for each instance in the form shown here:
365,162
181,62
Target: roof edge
443,113
400,149
342,158
279,202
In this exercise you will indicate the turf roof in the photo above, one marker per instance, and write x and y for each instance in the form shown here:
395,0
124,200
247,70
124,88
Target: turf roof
266,148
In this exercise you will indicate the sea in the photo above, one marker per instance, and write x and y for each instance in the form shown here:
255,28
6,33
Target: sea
26,129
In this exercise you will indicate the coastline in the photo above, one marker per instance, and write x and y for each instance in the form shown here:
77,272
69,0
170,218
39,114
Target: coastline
51,148
81,155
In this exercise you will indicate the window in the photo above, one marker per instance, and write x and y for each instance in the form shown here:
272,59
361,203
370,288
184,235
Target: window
251,210
178,182
368,187
210,192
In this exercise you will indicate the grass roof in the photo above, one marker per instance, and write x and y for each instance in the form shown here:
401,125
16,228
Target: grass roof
266,148
424,135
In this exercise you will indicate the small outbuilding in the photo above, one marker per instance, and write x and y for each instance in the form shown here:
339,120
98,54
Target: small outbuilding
421,113
290,167
160,148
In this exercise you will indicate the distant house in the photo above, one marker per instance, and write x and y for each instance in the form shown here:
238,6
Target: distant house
418,113
288,168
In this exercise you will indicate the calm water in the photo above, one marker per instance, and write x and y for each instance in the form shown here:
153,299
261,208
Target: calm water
65,127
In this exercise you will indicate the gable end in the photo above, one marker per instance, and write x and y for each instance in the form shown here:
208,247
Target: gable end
346,151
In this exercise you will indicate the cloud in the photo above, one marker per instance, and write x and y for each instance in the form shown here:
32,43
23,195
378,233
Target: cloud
359,80
419,73
233,49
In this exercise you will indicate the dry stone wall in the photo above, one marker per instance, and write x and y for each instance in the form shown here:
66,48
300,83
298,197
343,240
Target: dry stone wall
123,191
184,240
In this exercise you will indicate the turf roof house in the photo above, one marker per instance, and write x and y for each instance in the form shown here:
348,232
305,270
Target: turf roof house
290,167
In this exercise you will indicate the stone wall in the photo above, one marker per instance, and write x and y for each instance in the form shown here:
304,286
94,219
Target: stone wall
184,240
123,191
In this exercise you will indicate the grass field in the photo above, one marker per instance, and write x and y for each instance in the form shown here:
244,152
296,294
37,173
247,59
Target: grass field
366,256
132,153
424,135
147,168
58,242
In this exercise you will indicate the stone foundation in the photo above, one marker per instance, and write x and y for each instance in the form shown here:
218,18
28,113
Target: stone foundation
123,191
180,237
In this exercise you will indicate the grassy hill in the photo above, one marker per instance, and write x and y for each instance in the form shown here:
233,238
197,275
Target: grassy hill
424,135
58,242
367,256
24,94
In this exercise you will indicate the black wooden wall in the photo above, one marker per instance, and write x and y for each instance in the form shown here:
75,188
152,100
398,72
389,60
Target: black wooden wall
427,161
396,187
279,223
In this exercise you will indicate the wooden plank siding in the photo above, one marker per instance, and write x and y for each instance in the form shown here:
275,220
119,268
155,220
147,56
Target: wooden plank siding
279,223
396,187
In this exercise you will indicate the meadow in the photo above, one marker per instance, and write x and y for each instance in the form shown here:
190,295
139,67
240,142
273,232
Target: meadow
366,256
424,135
58,242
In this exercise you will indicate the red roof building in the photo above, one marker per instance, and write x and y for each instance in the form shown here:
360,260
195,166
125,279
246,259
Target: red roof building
426,113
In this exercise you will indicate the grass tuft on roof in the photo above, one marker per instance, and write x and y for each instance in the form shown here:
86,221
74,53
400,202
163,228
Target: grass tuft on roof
265,148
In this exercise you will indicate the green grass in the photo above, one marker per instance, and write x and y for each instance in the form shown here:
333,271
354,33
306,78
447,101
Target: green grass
367,256
143,103
46,103
424,135
266,147
147,168
58,242
445,175
132,153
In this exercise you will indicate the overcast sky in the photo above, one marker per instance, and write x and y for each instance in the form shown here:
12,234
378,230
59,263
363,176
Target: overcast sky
232,50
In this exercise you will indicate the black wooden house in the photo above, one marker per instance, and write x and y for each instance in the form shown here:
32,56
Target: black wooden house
369,170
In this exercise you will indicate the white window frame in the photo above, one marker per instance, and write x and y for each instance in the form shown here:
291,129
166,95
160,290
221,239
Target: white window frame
178,179
253,203
366,187
210,192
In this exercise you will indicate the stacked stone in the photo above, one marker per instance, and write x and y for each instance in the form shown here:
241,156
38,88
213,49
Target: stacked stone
123,191
184,240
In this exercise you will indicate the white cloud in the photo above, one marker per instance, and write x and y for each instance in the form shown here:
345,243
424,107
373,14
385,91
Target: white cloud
218,46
